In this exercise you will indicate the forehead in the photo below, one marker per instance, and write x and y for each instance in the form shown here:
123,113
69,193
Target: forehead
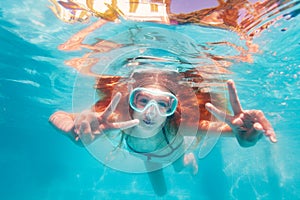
156,88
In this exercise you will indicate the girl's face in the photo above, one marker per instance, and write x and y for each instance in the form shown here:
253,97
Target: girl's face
151,107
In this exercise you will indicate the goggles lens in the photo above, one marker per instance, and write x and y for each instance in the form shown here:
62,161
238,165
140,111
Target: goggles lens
142,98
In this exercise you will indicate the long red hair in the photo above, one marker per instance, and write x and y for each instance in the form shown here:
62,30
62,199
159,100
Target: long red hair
187,86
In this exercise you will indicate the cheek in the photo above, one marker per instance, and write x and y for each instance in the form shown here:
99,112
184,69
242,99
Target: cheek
161,119
136,115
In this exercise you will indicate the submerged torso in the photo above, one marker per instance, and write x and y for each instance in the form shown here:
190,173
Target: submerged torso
161,149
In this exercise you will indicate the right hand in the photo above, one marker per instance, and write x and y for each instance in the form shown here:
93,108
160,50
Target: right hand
88,123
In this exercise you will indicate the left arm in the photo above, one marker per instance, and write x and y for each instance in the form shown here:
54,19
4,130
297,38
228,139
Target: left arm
248,126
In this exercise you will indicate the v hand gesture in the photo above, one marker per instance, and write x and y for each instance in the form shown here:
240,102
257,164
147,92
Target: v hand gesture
88,124
247,125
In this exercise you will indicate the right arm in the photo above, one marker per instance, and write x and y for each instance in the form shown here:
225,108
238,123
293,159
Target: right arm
64,122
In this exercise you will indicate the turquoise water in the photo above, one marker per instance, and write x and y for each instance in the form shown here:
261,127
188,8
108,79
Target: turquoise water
39,163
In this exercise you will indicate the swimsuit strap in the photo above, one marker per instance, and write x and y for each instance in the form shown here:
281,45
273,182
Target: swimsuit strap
140,152
149,155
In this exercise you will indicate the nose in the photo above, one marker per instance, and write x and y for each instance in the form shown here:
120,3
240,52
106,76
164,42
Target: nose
151,112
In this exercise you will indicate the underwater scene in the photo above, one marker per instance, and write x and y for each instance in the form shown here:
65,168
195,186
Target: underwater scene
150,99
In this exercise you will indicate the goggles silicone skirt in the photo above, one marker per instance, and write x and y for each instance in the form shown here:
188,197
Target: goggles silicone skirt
140,99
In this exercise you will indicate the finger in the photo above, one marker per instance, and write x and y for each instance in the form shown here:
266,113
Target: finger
218,113
52,117
266,125
272,136
77,133
237,122
234,99
62,121
85,127
112,106
56,116
77,138
257,126
94,123
78,121
68,126
125,125
97,132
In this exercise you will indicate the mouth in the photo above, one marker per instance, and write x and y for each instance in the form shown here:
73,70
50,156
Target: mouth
148,122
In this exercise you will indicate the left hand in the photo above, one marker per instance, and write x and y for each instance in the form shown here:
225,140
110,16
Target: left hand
247,125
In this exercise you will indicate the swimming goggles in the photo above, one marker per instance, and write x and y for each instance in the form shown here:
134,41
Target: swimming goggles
141,99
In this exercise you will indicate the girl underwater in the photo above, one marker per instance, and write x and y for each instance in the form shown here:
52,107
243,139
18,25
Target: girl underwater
155,110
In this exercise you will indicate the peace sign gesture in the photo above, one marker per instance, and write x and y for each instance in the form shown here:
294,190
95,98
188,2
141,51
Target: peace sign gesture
247,125
88,124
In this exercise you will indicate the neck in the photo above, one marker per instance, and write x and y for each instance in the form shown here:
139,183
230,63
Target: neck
146,144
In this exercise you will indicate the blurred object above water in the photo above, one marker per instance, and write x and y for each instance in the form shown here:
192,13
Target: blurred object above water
245,17
179,30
